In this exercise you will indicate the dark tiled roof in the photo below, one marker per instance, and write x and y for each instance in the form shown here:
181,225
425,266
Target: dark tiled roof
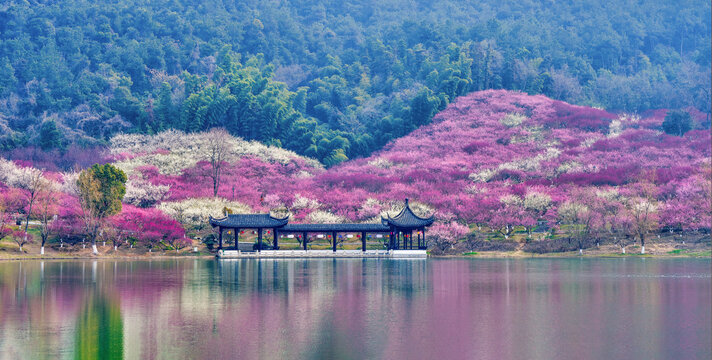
335,227
246,221
407,219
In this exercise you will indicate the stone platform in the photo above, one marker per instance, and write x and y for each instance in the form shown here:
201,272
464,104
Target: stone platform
388,254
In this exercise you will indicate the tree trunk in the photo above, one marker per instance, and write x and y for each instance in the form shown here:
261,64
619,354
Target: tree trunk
115,248
27,219
42,250
623,249
94,249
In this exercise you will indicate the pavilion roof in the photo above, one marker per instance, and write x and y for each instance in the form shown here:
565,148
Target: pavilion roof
247,221
406,218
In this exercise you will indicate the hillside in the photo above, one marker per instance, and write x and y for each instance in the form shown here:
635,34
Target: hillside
327,79
492,165
493,158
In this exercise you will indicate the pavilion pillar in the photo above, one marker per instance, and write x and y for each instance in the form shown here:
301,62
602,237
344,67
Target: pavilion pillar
304,240
333,241
410,239
237,238
220,243
425,244
259,239
363,241
275,240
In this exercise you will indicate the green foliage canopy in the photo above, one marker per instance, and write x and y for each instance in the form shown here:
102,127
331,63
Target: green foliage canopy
301,74
101,188
677,122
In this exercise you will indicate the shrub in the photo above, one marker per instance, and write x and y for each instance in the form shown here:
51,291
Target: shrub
210,241
677,122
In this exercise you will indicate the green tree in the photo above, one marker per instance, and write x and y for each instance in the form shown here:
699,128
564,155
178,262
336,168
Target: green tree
8,81
127,105
677,122
165,111
423,107
50,136
101,189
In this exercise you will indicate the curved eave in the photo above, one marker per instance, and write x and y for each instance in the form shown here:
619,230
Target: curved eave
216,221
285,219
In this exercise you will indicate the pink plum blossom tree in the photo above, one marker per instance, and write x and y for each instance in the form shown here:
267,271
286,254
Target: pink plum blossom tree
446,235
21,238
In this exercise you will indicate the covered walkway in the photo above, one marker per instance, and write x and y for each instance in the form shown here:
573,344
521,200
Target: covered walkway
399,230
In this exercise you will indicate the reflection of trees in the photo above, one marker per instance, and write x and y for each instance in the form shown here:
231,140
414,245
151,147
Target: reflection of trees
207,308
99,333
69,304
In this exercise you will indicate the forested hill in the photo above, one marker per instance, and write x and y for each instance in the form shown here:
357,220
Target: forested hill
329,79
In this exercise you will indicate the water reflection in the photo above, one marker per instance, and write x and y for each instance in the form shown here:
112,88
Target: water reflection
100,331
356,308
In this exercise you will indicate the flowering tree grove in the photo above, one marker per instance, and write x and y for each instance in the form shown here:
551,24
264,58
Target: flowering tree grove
504,161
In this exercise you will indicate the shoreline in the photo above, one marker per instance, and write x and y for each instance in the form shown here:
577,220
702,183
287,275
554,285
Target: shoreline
662,249
478,255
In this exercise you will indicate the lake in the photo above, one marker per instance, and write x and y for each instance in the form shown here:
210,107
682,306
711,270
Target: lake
587,308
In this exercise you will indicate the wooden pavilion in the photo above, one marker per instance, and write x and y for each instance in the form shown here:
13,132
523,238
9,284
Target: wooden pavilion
399,229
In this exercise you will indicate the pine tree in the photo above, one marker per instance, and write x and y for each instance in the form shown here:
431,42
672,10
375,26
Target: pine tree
50,136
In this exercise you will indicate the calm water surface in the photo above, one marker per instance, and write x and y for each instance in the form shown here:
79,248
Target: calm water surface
353,309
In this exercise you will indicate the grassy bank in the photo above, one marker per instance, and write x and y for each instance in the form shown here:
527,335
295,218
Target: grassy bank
659,250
